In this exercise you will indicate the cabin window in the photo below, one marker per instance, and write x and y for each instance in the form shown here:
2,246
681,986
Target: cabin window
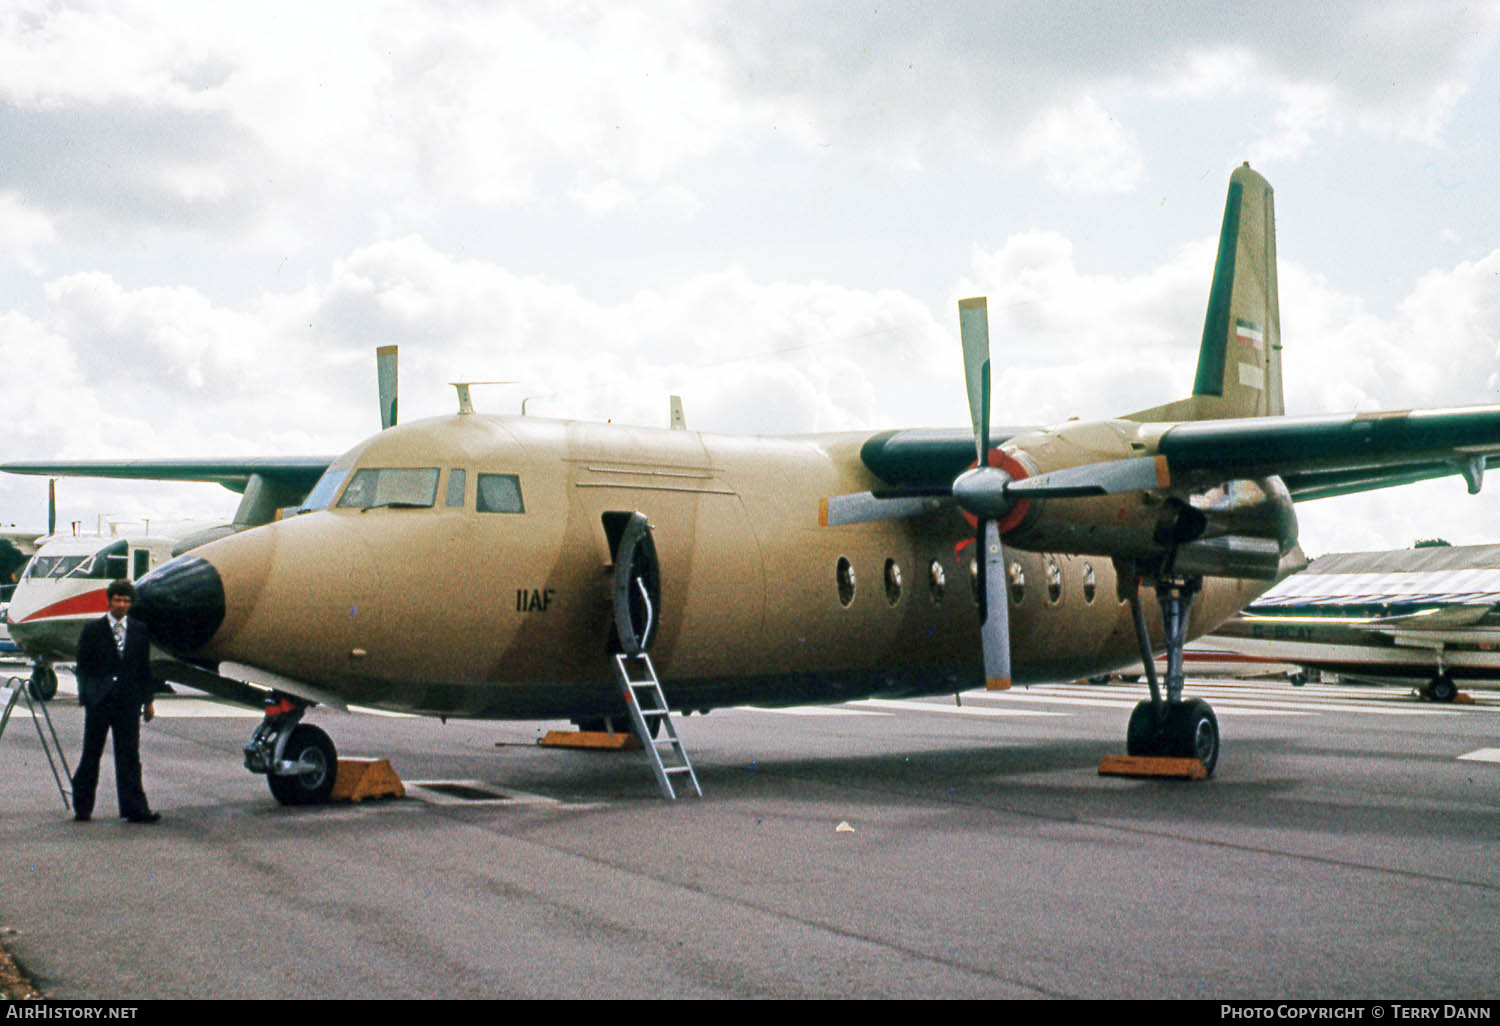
892,582
937,582
1054,581
844,574
142,564
456,482
499,493
399,487
1090,583
1017,584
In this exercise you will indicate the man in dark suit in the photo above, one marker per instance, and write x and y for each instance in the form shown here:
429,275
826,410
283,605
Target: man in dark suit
115,686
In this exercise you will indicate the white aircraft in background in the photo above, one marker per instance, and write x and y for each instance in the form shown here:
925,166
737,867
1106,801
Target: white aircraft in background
62,587
1429,615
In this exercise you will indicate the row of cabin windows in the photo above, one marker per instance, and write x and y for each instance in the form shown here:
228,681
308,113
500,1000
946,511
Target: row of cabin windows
937,582
417,487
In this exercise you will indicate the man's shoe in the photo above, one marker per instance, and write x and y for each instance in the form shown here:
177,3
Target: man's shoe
82,817
145,817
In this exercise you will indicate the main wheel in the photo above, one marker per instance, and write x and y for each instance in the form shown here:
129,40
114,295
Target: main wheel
1142,735
1442,689
1192,732
43,685
312,785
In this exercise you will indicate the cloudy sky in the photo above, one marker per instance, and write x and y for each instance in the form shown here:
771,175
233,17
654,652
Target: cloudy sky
211,214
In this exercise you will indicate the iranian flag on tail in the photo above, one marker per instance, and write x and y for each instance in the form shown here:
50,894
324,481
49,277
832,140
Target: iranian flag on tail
1249,334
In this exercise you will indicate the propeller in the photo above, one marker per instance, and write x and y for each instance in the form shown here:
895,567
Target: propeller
991,491
52,505
385,384
994,598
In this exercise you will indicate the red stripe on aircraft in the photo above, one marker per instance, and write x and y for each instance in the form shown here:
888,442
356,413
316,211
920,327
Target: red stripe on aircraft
79,605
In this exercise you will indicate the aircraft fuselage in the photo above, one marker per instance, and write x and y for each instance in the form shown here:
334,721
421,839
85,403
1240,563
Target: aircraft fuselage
454,611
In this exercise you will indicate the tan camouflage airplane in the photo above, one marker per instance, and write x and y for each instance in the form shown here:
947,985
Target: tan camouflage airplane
486,566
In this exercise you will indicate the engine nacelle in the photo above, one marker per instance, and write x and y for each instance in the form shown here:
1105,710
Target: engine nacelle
1238,528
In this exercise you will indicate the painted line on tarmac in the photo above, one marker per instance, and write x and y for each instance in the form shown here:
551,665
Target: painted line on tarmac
908,705
1230,698
812,710
1483,755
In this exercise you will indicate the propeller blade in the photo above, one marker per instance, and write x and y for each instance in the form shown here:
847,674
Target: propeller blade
866,507
1139,474
974,331
52,505
994,608
385,384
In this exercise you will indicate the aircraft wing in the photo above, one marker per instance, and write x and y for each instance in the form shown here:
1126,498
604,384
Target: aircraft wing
1437,618
1316,456
235,474
1338,454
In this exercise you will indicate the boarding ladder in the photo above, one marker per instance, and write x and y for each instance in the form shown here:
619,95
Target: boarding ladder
15,689
647,705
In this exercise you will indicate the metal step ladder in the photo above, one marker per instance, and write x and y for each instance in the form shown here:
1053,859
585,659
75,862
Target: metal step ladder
11,692
647,705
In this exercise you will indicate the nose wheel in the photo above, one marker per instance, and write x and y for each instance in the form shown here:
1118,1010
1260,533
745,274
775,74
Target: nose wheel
43,683
299,760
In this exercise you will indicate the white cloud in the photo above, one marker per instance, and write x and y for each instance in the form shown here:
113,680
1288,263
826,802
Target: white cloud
1083,149
23,231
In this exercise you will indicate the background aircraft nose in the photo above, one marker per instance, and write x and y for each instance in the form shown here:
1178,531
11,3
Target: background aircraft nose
182,602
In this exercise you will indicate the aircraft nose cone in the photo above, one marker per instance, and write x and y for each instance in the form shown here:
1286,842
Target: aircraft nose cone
182,602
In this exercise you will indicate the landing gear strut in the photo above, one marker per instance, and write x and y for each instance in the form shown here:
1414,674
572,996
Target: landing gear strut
1167,725
298,759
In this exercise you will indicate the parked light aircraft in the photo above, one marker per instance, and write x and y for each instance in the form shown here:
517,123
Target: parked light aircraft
1429,615
488,566
62,587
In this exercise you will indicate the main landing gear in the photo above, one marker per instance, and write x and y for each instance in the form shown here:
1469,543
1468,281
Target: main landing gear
1441,687
298,759
1169,725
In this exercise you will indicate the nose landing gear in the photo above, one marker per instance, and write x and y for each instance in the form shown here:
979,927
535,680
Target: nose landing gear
298,759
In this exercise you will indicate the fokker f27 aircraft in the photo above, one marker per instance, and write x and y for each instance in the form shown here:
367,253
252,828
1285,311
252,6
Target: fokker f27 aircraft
486,566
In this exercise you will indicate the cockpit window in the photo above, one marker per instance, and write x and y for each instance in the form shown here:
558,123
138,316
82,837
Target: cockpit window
391,486
52,566
322,493
500,493
107,564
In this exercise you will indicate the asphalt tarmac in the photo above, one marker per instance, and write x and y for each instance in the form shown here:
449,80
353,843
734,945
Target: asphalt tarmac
1345,848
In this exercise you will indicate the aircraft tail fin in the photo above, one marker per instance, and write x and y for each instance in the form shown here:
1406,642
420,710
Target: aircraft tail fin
1239,360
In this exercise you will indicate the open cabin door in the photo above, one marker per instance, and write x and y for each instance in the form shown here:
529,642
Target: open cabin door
637,582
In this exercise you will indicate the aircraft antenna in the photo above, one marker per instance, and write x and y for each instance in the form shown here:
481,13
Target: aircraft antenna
465,404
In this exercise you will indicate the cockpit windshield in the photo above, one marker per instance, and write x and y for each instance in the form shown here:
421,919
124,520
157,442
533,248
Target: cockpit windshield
401,487
107,564
322,493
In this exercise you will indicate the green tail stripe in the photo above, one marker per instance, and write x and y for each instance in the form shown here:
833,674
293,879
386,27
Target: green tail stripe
1212,351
